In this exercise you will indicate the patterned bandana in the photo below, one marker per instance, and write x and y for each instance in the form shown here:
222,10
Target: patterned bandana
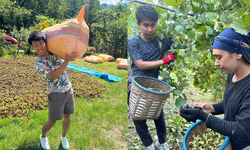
231,41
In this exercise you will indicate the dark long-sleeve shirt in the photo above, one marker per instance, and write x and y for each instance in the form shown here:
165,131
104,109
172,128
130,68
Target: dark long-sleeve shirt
236,109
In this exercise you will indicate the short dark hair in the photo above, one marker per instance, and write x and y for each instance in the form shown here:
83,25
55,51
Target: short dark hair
36,36
146,12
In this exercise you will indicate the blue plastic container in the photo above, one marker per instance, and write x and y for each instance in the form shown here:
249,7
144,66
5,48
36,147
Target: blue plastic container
222,147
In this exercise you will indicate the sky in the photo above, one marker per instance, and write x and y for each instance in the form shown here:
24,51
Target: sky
110,1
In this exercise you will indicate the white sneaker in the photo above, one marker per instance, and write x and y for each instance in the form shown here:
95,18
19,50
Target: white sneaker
65,143
44,142
163,146
151,147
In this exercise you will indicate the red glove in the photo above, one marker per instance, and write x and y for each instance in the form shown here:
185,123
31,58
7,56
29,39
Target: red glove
169,58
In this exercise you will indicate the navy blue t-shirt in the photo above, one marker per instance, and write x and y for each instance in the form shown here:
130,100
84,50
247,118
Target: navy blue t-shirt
139,49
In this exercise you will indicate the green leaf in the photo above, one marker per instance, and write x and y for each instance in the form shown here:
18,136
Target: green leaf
223,17
182,9
196,82
164,74
246,20
209,54
203,29
160,45
209,22
218,71
132,22
179,28
240,28
177,92
201,2
179,102
165,32
210,7
181,22
196,55
197,26
164,16
133,13
211,16
177,11
187,26
196,9
158,9
173,76
203,9
241,12
227,3
185,97
232,17
161,36
191,34
209,30
203,18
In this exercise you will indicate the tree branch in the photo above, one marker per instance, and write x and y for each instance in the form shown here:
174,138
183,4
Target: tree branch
157,5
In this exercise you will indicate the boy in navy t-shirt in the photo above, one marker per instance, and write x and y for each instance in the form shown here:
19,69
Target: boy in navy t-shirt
147,58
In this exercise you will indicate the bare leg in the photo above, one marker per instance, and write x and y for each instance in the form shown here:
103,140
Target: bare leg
65,124
47,126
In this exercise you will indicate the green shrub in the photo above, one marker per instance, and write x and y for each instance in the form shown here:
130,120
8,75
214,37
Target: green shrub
14,16
43,22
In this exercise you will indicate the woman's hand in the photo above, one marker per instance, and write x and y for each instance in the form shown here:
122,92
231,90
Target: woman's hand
207,108
192,114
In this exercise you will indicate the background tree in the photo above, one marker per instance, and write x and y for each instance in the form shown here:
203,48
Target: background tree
109,31
14,16
50,8
58,9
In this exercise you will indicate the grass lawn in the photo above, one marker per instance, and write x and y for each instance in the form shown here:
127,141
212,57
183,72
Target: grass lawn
99,123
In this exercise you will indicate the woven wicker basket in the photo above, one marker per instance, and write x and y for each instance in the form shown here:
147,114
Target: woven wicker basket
199,128
145,103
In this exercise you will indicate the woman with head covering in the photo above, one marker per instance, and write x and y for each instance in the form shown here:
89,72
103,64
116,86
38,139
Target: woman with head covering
231,51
